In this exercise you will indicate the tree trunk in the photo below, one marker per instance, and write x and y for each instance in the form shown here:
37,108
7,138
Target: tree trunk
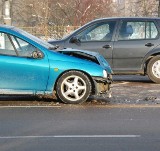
159,9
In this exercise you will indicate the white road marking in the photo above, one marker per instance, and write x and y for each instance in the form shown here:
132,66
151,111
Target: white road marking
99,106
29,107
120,83
71,136
96,136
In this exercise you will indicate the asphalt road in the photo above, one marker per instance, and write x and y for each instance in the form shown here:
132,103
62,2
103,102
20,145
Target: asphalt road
134,89
80,128
129,121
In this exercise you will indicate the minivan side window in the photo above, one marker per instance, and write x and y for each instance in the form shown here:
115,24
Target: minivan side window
137,30
151,30
99,32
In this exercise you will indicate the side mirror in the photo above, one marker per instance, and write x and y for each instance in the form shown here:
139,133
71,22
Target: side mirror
75,40
37,54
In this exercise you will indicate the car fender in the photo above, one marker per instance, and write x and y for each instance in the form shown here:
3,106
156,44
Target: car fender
55,72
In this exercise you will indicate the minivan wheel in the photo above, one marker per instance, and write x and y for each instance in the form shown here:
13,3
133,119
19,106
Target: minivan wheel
73,87
153,69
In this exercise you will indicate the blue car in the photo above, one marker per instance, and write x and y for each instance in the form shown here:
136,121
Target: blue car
31,66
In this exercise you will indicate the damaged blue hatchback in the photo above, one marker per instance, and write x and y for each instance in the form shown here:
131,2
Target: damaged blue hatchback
31,66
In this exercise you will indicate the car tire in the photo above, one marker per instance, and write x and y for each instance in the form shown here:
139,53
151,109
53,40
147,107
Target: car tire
73,87
153,69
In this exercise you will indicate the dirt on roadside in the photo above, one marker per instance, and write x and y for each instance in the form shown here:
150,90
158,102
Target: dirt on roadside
125,90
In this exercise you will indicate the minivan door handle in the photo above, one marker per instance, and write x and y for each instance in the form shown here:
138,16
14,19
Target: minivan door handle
149,44
106,46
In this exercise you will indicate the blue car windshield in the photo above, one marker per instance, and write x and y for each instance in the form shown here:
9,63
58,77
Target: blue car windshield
34,38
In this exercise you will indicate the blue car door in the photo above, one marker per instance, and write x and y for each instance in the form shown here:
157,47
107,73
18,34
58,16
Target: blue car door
18,69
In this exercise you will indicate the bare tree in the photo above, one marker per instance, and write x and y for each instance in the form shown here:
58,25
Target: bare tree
158,8
30,12
141,8
79,12
1,11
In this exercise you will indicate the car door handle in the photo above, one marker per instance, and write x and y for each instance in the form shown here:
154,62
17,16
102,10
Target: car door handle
106,46
149,44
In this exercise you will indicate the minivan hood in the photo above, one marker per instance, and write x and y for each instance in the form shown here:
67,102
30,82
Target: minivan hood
59,43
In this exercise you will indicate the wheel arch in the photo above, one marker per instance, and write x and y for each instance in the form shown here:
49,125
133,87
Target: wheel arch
87,74
148,57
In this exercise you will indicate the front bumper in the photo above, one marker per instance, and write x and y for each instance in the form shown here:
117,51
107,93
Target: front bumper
102,85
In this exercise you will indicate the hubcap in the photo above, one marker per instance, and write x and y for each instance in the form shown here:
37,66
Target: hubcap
156,69
73,88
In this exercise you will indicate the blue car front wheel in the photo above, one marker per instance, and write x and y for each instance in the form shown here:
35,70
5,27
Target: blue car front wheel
73,87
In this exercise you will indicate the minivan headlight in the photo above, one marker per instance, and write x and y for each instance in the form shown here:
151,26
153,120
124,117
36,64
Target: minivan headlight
105,74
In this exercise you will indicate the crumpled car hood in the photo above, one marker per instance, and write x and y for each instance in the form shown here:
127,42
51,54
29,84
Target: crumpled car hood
88,55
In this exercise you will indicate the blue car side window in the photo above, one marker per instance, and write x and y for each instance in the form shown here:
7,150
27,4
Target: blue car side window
24,49
14,46
6,47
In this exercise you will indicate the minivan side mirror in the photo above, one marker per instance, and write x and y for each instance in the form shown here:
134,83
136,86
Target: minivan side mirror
75,40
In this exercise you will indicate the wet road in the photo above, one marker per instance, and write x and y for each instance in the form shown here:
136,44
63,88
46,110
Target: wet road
135,90
79,128
129,121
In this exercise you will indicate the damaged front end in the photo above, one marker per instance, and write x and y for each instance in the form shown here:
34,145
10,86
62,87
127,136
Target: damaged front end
103,86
